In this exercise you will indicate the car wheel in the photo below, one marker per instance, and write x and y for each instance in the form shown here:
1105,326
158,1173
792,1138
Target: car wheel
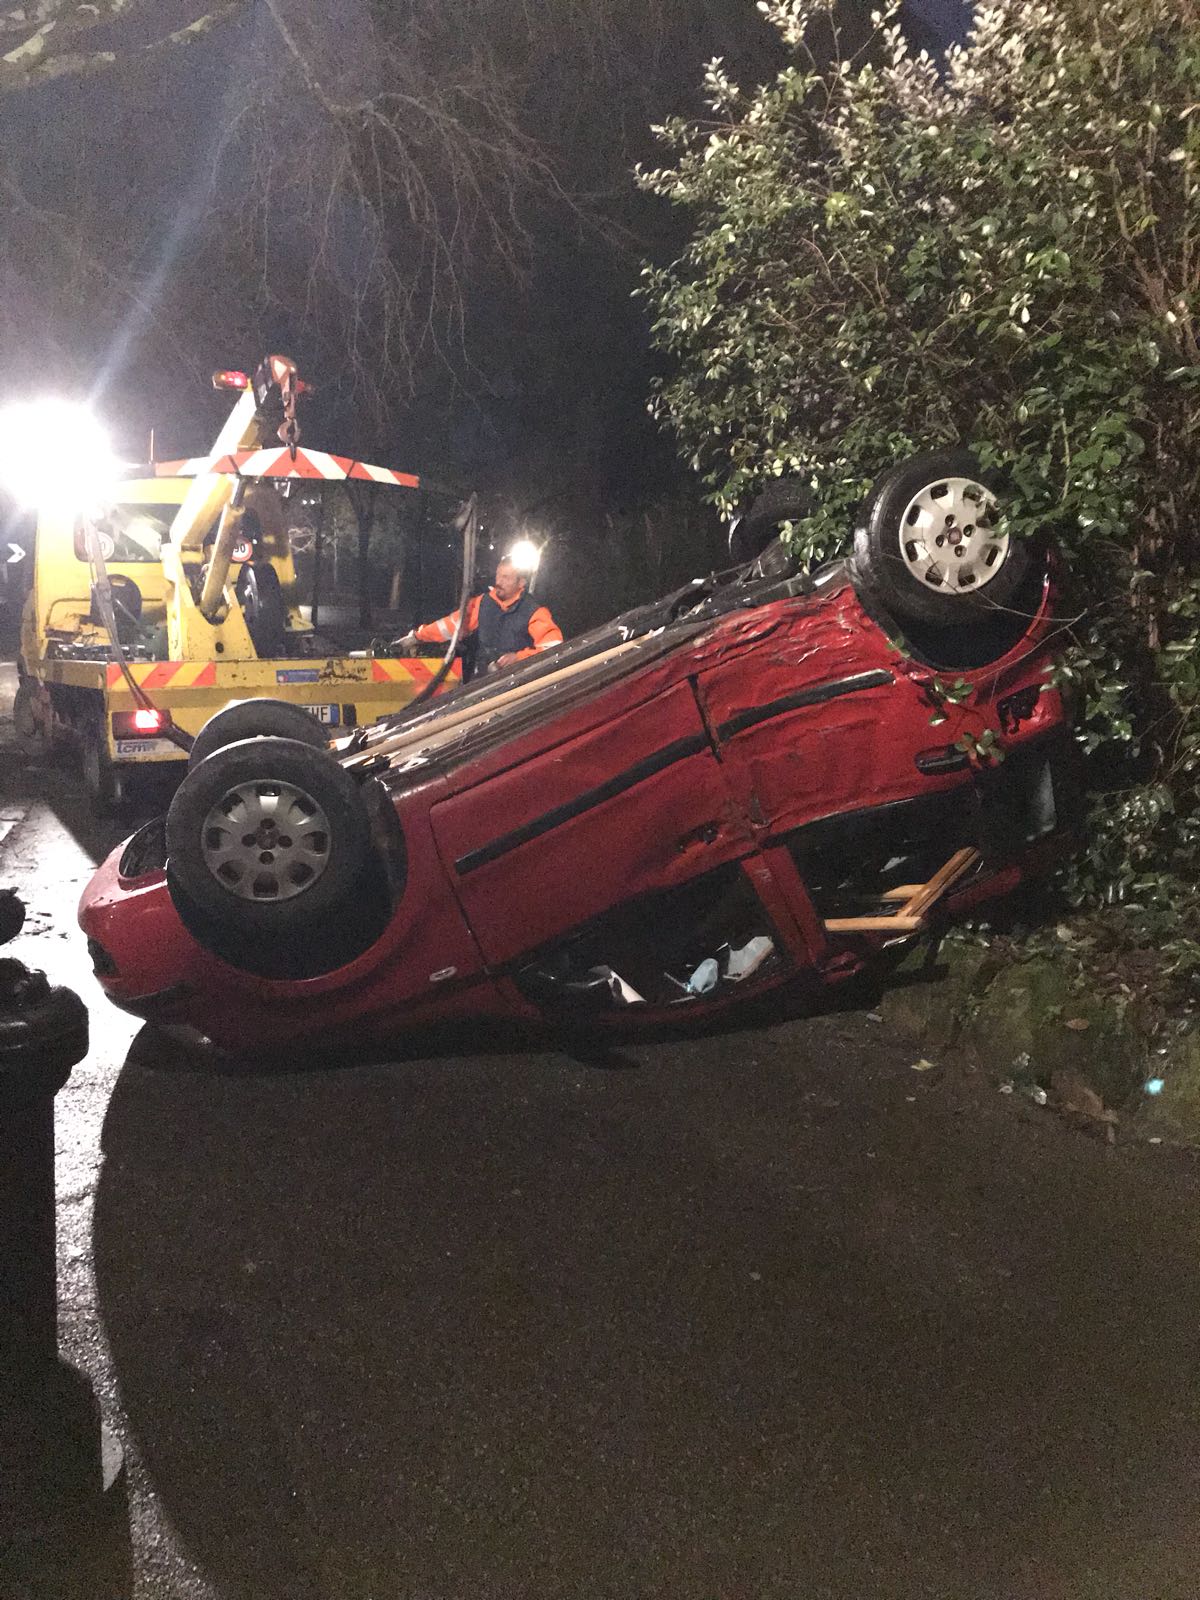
784,500
270,840
929,543
256,719
103,779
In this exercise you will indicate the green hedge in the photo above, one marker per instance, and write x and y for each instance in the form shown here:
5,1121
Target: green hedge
890,255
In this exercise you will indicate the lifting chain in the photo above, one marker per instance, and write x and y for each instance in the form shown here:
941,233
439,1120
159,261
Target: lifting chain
289,431
280,373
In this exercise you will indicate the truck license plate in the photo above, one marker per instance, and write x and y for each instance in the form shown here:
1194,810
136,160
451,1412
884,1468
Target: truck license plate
332,715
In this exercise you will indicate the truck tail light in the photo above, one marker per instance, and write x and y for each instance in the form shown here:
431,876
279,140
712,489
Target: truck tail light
140,724
231,380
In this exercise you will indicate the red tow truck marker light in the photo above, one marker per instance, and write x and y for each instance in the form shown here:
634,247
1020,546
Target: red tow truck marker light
231,380
143,723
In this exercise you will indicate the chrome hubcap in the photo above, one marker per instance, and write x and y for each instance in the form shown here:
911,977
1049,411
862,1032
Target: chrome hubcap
266,840
947,538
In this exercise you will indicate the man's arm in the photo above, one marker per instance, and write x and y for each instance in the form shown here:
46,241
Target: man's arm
544,632
442,631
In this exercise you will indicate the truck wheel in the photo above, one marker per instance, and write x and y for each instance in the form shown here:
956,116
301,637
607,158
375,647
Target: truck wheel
929,543
261,598
270,858
256,719
25,721
103,779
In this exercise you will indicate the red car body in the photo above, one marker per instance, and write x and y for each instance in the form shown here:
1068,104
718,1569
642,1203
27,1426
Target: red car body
752,766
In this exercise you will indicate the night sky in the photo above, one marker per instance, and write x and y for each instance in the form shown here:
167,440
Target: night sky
541,403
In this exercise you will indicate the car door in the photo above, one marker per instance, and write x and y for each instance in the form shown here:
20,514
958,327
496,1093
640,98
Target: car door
826,742
633,807
797,721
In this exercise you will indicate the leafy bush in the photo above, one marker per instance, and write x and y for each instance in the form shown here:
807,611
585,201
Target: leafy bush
888,256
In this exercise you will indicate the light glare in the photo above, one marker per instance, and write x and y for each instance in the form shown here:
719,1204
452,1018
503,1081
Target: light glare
55,455
525,555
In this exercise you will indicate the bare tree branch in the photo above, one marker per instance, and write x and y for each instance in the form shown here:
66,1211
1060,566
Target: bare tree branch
379,172
45,23
42,57
307,70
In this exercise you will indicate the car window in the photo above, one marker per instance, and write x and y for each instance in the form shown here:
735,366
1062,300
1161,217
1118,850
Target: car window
130,533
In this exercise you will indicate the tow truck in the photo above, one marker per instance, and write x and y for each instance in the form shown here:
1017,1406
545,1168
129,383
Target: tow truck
179,594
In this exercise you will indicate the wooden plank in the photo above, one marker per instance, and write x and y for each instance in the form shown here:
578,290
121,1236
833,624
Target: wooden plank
961,861
918,899
896,924
432,735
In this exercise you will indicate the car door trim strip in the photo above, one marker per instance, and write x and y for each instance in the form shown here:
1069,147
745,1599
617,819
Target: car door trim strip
800,698
678,750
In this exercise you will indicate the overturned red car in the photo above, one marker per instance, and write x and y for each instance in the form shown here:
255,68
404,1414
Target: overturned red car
767,778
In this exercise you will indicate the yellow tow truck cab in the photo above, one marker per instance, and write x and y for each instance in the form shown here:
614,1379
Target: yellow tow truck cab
194,562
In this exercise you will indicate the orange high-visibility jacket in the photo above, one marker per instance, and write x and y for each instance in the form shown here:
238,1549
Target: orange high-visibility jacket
541,626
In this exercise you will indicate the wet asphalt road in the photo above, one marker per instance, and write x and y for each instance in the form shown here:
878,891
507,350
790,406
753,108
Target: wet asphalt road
769,1314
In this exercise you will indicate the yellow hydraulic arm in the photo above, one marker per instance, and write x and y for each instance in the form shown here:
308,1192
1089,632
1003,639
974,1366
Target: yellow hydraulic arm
213,626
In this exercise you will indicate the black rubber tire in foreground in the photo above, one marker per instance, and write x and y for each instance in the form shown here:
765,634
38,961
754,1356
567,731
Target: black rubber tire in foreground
314,930
256,719
877,545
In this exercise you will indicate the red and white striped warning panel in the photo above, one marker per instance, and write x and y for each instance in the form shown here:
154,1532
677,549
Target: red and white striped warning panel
255,675
279,463
165,674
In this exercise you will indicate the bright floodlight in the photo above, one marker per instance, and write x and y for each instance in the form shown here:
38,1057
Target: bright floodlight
54,453
525,555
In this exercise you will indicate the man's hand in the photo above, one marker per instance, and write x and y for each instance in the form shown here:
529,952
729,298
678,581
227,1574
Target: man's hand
405,645
505,661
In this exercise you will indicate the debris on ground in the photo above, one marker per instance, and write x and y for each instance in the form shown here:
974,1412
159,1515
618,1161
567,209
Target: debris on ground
1075,1099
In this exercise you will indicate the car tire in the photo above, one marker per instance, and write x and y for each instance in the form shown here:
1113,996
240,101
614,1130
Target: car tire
269,848
783,500
917,518
103,780
256,719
